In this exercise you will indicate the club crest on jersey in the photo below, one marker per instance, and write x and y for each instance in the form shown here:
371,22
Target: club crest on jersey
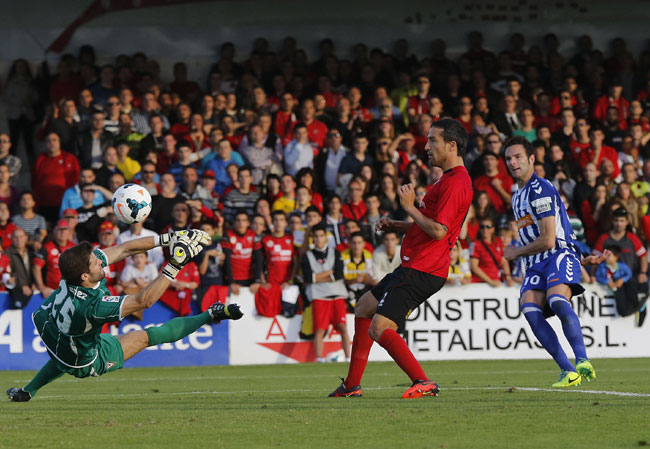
542,205
269,244
233,239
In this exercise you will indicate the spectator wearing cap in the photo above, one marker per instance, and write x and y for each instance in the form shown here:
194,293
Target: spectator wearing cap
73,220
106,239
128,167
13,162
498,185
209,183
633,253
299,152
90,144
20,257
45,264
55,170
72,196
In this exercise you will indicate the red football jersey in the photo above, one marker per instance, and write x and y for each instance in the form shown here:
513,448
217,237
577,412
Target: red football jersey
278,254
446,202
6,232
485,261
5,267
242,247
48,257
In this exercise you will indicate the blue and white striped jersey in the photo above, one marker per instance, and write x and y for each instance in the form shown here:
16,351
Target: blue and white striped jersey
539,199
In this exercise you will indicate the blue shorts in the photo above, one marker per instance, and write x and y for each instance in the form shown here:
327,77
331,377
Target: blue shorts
562,267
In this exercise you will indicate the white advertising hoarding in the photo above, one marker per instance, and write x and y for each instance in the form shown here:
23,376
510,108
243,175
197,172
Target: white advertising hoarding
459,323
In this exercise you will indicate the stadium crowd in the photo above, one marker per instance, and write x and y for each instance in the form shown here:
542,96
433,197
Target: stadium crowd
274,146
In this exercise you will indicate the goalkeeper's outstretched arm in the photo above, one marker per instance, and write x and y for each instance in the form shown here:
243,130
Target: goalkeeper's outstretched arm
182,251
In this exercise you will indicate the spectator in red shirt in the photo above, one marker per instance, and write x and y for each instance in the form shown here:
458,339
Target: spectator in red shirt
45,264
316,130
358,112
355,209
6,227
106,238
244,259
179,295
285,118
486,257
419,104
614,98
279,255
597,151
182,127
54,172
498,185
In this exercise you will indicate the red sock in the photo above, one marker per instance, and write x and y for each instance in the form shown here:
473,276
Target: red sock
361,345
395,345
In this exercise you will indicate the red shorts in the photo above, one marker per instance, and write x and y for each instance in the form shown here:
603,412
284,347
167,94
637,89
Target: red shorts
328,311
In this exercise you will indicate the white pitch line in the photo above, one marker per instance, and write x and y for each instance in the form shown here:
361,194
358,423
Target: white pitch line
176,393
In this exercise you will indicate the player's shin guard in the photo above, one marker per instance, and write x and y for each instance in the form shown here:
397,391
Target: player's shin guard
570,324
545,334
361,345
177,328
47,374
395,345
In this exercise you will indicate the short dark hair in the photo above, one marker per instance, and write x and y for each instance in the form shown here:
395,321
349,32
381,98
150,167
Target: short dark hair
356,234
615,249
239,212
453,131
74,262
278,212
244,168
319,227
520,140
313,208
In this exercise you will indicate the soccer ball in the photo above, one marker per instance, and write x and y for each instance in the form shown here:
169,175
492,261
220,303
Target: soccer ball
131,203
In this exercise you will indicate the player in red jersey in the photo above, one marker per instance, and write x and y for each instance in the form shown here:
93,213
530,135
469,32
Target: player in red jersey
279,255
243,264
425,262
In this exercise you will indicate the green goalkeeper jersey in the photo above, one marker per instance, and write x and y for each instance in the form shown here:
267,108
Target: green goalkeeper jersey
71,318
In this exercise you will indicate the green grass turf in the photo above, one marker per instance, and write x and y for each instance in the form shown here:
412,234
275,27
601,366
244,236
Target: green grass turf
481,405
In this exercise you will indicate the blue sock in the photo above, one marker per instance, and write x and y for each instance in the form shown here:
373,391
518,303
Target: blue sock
545,334
570,324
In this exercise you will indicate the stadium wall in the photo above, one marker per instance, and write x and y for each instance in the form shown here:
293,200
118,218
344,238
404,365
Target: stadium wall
462,323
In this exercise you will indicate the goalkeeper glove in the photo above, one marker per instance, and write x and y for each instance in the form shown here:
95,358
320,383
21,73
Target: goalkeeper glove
182,251
194,235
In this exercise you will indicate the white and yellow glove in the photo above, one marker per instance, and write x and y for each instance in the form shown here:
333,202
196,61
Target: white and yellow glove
193,235
182,251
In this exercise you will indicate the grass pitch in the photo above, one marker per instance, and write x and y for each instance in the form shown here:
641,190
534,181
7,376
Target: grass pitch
483,404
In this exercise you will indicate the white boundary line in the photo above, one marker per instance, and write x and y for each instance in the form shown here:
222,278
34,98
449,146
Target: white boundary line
504,389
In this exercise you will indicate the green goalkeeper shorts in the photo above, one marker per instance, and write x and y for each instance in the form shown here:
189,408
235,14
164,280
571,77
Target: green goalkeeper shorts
110,358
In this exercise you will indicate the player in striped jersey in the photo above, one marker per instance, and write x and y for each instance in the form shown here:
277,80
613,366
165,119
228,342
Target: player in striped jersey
552,262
